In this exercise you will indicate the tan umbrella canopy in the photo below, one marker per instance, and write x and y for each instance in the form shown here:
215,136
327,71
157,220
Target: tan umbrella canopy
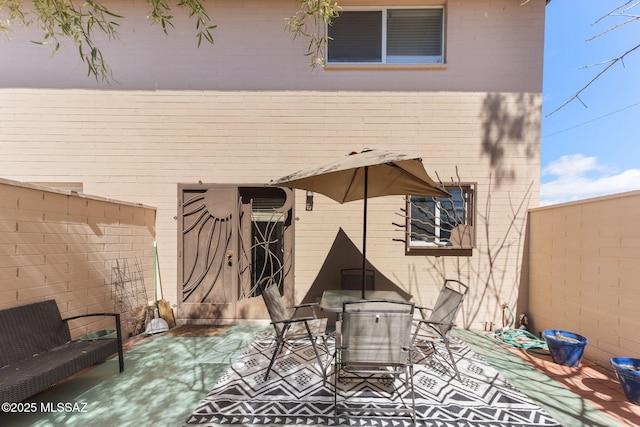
362,175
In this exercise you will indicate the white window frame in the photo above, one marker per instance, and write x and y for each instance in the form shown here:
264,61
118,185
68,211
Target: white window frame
438,246
439,61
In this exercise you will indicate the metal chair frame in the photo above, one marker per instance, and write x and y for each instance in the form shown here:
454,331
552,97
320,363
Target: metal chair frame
437,322
290,328
374,342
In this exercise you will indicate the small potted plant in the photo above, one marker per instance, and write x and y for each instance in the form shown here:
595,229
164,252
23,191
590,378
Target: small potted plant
566,348
628,372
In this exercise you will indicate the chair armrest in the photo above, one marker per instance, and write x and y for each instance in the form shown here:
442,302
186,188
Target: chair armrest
433,322
422,311
311,305
118,332
293,320
440,328
307,304
116,315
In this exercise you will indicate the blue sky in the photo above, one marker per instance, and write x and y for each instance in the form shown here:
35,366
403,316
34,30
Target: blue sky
594,150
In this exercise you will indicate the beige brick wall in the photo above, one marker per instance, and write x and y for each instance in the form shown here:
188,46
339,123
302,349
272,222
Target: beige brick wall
138,145
249,109
55,244
584,272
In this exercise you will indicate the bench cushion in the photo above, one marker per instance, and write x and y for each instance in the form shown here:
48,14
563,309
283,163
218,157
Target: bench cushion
36,350
38,372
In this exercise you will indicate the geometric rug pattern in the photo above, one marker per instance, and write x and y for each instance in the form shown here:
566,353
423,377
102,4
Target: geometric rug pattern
295,393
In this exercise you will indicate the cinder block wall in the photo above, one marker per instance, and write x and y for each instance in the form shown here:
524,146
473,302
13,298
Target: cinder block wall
56,244
142,144
584,273
249,109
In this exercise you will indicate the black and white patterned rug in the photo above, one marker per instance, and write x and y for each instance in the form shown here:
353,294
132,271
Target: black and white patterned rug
295,394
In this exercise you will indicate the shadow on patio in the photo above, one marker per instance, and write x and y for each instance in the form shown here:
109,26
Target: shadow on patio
166,378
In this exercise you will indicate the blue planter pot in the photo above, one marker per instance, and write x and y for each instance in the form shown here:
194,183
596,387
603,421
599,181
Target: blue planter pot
566,348
628,372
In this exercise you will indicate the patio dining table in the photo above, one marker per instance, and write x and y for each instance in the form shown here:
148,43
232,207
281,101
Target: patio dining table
333,300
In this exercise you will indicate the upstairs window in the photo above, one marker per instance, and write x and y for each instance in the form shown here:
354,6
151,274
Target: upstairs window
442,225
387,36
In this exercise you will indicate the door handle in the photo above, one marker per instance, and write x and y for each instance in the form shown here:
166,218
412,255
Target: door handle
230,258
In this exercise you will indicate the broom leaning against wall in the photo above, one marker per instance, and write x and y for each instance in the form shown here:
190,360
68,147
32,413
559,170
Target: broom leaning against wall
162,314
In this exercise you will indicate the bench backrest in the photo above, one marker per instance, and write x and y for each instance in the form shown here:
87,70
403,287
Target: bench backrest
30,329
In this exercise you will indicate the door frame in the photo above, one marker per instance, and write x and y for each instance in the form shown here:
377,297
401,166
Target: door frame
244,309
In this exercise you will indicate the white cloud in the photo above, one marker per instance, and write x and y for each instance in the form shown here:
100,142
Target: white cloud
579,177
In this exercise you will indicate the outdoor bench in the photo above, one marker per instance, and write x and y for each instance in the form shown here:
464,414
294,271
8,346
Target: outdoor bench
36,350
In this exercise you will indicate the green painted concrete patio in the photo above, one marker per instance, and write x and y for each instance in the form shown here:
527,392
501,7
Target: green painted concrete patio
167,376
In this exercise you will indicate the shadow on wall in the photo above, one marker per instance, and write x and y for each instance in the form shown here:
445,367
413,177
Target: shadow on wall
342,255
491,273
510,123
522,303
510,130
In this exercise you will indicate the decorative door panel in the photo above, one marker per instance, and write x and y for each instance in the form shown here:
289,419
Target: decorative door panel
231,241
207,241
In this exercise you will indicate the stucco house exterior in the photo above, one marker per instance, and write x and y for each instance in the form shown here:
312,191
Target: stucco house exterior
198,133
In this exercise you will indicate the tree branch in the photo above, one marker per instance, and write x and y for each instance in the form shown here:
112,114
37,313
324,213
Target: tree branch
320,13
611,62
80,22
577,95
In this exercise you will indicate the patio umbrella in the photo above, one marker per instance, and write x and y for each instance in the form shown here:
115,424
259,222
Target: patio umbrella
362,175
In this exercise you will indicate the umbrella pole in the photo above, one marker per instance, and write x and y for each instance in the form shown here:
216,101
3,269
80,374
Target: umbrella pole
364,232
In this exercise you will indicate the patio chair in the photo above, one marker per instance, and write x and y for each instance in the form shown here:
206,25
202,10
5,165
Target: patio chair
373,344
289,328
437,322
351,279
